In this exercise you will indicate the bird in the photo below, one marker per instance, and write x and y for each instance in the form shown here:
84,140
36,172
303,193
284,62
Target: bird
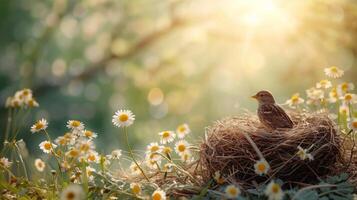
271,115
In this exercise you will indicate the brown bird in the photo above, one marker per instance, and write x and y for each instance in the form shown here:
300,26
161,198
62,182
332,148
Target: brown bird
270,114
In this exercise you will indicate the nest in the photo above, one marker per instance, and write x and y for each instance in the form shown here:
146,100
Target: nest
227,150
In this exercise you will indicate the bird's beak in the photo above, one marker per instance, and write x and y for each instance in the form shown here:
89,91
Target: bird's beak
254,96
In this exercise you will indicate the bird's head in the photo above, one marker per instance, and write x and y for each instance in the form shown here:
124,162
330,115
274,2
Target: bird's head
264,97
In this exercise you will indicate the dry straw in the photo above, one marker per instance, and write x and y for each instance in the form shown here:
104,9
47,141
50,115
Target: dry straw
227,149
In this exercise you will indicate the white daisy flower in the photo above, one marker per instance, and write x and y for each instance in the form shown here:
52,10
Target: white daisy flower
154,147
295,100
353,124
187,157
261,167
135,188
344,88
62,141
324,84
167,136
47,147
32,103
334,72
166,150
85,145
315,96
92,156
168,167
73,192
333,96
39,125
232,192
115,154
349,98
40,165
134,169
90,171
273,191
182,130
5,163
89,134
303,155
153,156
181,147
73,153
75,125
158,195
153,163
123,118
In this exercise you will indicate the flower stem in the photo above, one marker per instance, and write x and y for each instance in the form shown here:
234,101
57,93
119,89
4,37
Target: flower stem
21,160
132,156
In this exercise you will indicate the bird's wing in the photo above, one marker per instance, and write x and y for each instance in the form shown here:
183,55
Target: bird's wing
276,116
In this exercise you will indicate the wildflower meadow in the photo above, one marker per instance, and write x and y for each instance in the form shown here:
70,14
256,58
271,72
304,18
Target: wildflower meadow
178,99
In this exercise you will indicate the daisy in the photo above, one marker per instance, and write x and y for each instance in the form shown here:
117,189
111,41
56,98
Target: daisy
273,191
158,195
73,153
135,188
75,125
349,98
232,191
324,84
166,150
168,167
353,124
89,171
154,147
92,156
72,192
89,134
61,141
261,167
115,154
182,130
334,72
47,146
181,147
303,155
152,163
315,96
39,125
218,178
333,96
40,165
5,163
123,118
295,100
167,136
85,146
32,103
344,88
26,94
134,169
187,157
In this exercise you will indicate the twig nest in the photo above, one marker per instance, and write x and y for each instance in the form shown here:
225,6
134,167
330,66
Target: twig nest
227,150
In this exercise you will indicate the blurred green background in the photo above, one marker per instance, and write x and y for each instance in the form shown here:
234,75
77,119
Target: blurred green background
169,62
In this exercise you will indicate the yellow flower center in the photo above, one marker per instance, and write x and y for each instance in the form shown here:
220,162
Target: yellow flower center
154,148
39,125
181,147
166,134
123,117
232,191
275,188
295,98
348,97
31,103
344,87
167,150
156,196
62,141
88,133
354,124
47,146
136,189
76,123
73,153
261,167
182,129
334,69
85,147
91,157
39,165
